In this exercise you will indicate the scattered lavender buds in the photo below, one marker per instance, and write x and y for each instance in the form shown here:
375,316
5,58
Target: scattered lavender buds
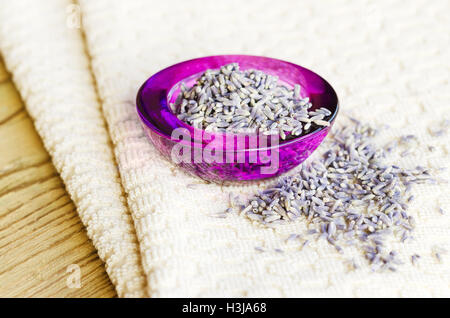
350,196
250,101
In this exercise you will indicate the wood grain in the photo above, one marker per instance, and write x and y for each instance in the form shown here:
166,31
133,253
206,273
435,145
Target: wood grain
40,231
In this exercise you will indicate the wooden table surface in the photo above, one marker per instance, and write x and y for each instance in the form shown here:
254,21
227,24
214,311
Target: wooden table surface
40,231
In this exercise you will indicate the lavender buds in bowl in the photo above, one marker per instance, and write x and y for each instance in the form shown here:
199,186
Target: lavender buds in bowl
236,117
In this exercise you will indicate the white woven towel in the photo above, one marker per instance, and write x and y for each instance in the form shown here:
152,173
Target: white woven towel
50,69
389,64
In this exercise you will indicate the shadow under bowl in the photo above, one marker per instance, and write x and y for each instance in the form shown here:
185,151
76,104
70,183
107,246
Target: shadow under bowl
224,157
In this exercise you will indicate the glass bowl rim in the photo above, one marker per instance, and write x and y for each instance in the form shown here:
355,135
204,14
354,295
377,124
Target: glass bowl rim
143,113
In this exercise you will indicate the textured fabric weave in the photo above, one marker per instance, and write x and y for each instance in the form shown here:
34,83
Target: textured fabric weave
389,64
51,71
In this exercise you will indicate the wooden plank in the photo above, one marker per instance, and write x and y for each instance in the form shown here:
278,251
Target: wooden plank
41,234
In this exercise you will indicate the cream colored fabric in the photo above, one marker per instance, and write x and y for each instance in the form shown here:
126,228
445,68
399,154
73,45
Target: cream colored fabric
388,61
51,71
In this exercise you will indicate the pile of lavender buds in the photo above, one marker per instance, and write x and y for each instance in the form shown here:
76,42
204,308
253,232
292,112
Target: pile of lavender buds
350,196
250,101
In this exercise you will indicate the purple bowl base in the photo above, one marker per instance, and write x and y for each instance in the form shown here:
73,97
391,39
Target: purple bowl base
288,159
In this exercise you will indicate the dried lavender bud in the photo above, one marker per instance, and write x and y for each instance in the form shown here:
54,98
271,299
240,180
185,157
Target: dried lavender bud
259,249
414,258
247,101
440,129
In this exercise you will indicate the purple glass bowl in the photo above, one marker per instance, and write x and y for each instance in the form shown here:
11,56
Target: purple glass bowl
222,157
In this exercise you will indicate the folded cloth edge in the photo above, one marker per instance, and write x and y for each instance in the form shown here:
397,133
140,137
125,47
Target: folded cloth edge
51,71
